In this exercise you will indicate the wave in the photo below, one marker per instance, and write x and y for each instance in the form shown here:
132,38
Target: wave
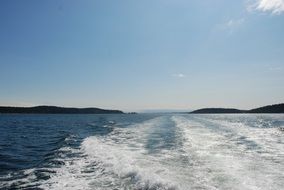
52,154
221,148
115,161
169,152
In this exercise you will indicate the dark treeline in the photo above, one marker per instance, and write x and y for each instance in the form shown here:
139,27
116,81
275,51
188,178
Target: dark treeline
277,108
56,110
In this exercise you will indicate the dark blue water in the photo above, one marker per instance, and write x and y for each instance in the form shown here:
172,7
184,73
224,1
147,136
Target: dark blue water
34,141
144,151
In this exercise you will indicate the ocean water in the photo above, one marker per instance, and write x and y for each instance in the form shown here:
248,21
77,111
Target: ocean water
143,152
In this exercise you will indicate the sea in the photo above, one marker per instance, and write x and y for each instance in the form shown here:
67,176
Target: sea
142,152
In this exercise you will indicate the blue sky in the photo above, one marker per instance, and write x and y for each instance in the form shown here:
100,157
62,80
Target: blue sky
135,55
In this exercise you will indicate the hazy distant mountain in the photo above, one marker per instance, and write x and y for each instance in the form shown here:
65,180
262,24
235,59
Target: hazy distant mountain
277,108
56,110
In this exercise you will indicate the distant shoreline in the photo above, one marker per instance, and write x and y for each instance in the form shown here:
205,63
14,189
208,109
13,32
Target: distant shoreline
56,110
276,108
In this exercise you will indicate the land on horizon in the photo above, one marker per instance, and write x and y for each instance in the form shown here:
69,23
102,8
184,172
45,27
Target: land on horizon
276,108
56,110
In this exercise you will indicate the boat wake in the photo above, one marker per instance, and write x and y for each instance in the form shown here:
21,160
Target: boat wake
170,152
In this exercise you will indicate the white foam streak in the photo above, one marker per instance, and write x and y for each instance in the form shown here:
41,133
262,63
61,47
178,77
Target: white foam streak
129,166
223,153
204,157
117,161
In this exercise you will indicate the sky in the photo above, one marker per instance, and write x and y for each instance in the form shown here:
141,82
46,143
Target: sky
142,54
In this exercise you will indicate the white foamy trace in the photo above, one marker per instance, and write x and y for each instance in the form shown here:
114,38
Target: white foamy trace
179,152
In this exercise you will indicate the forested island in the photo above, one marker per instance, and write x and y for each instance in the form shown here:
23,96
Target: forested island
56,110
276,108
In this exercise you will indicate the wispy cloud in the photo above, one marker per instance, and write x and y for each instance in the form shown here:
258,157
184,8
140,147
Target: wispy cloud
234,23
231,25
272,6
179,75
275,68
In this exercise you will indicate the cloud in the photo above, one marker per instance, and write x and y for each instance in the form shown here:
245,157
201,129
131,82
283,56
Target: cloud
275,68
230,25
234,23
179,75
273,6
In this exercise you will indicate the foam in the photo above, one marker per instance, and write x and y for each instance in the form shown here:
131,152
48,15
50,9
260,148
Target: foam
234,165
111,163
129,166
206,157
